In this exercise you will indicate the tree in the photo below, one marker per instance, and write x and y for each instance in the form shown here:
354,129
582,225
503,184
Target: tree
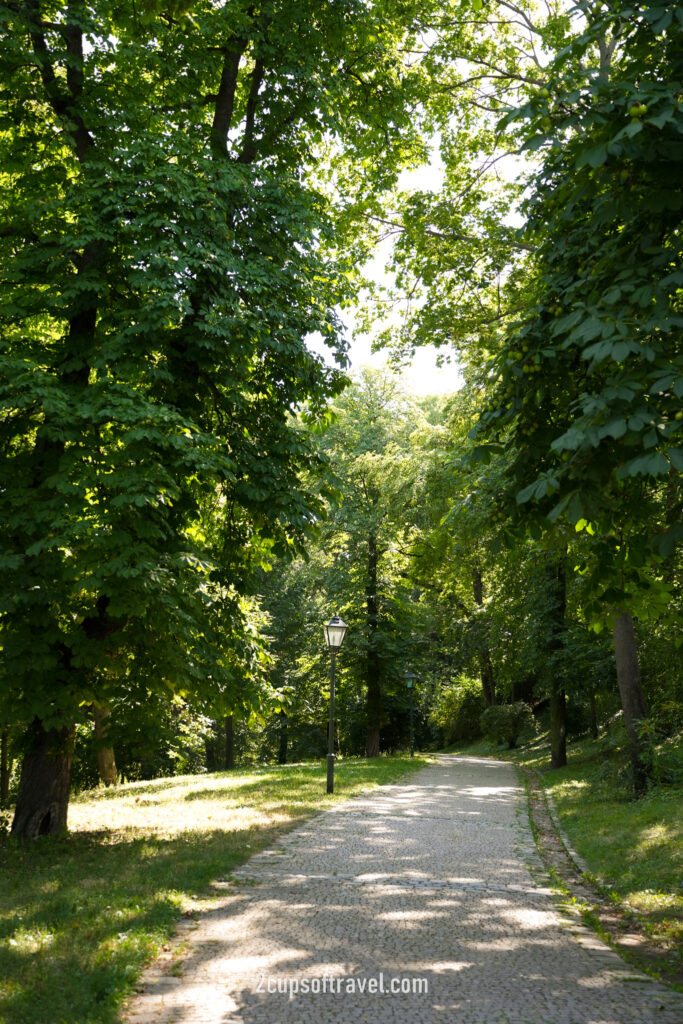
571,325
359,566
507,722
453,551
589,383
5,765
167,245
462,270
371,452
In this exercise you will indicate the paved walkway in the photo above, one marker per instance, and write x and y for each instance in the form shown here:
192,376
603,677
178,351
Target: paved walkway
433,881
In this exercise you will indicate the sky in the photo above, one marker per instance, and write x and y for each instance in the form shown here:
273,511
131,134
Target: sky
423,377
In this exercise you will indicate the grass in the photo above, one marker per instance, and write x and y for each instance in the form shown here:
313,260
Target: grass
81,916
633,848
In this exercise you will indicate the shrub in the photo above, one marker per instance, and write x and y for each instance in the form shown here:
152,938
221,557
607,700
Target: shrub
506,723
458,709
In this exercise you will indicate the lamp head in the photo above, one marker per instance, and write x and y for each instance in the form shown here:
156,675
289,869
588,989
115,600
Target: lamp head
335,631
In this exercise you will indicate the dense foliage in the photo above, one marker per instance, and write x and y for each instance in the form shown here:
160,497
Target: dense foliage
167,246
188,491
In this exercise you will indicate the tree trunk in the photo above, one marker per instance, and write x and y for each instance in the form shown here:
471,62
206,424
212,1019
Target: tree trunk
488,683
5,767
632,698
372,664
282,749
43,798
229,743
593,704
558,704
523,689
372,742
558,729
106,762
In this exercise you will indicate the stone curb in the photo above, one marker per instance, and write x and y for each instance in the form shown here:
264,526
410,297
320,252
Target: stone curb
578,860
586,935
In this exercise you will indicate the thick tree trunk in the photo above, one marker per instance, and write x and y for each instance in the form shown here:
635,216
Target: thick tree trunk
282,748
106,761
43,798
632,698
558,704
5,766
372,743
372,664
229,743
488,683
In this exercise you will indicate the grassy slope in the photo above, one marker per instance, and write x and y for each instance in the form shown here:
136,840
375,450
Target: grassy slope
633,848
80,917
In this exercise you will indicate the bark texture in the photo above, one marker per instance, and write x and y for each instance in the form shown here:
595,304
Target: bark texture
106,761
229,743
632,698
558,703
282,746
594,716
558,729
372,663
5,766
488,683
43,798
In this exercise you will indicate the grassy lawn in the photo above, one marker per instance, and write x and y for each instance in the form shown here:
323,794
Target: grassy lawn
633,848
81,916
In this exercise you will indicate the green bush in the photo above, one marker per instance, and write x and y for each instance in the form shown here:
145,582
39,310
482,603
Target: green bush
458,709
667,717
507,722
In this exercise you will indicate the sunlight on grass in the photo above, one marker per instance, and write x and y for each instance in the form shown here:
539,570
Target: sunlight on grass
633,847
224,800
651,838
81,916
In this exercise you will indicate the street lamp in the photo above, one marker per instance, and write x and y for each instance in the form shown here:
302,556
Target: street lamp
335,631
410,678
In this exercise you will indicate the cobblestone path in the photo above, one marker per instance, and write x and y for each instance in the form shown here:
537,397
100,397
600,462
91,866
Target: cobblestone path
432,882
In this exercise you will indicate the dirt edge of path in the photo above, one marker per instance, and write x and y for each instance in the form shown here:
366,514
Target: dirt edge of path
616,924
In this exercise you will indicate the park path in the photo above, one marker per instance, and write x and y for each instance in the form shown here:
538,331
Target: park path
433,880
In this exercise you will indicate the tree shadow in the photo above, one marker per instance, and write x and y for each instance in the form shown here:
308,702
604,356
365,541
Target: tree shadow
484,957
80,916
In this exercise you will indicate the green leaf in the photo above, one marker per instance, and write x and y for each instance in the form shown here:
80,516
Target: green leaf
594,157
675,456
616,428
645,465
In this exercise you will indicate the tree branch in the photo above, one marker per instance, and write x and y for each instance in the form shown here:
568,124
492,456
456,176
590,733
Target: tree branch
248,151
63,104
225,99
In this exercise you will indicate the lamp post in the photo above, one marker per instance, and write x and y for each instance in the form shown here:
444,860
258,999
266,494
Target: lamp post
410,678
335,631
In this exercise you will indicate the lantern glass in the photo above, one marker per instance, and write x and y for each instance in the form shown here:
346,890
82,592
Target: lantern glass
335,631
